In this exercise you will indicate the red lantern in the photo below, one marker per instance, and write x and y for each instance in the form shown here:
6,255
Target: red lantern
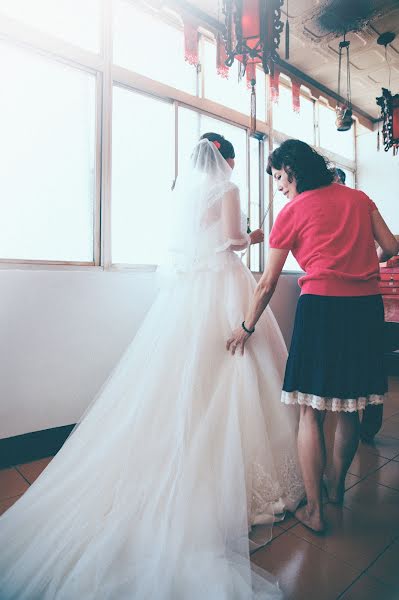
252,34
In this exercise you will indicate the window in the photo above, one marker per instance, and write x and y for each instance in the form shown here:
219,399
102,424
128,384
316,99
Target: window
296,125
142,176
55,142
231,92
339,142
145,44
72,21
47,154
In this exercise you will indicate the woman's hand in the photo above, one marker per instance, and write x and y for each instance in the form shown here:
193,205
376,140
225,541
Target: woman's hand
257,236
237,340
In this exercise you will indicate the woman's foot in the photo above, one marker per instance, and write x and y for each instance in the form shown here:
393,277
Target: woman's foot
334,491
311,519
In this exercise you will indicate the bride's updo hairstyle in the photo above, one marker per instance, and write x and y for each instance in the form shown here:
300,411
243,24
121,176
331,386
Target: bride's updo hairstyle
226,148
302,163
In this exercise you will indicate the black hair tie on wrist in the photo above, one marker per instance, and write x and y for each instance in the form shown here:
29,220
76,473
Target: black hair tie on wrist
247,330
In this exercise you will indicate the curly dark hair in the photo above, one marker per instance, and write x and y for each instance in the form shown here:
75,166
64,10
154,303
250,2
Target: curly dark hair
300,161
226,148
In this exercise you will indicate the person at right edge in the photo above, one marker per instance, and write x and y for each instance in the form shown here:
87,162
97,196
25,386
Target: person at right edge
335,361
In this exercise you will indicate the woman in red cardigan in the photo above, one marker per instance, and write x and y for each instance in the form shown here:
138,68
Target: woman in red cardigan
336,356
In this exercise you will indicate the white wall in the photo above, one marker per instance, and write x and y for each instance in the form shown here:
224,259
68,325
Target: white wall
378,176
62,331
61,334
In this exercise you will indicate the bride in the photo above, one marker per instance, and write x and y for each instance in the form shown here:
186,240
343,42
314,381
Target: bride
185,448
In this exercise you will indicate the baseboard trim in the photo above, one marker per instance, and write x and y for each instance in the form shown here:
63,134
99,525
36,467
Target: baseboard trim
32,446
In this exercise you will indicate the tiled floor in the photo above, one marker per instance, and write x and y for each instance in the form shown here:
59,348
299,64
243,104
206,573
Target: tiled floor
358,557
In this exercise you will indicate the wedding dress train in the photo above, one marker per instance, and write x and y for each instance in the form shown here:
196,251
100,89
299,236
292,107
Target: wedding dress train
184,449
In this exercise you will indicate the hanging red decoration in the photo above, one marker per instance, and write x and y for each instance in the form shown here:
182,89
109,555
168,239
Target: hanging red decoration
221,57
390,120
296,96
274,83
191,43
250,74
252,36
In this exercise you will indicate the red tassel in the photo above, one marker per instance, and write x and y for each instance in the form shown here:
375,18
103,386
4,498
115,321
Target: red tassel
296,96
250,73
221,57
191,44
274,84
253,107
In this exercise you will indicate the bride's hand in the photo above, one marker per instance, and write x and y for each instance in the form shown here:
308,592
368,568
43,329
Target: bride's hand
257,236
237,341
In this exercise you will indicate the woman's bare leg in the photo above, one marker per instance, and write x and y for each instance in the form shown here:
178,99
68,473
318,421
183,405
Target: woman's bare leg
346,441
312,458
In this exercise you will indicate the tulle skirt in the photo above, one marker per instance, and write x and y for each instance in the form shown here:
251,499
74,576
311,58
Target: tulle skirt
183,450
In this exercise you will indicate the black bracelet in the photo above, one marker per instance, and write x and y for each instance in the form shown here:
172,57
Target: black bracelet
247,330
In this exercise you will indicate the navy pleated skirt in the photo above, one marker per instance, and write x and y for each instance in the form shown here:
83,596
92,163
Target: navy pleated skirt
336,355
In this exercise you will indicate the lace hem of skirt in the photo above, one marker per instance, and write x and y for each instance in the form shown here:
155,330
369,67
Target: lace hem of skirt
333,404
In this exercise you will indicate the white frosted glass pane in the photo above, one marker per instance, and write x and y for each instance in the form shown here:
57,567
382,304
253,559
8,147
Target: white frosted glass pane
145,44
278,203
189,134
231,92
255,199
340,142
296,125
142,175
73,21
47,157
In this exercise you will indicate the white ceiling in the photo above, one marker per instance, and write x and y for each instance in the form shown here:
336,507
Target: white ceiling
314,49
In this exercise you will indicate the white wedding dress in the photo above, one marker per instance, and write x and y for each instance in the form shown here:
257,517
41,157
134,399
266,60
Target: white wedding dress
184,449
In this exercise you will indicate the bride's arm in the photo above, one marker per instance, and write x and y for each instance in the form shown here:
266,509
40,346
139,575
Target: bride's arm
235,238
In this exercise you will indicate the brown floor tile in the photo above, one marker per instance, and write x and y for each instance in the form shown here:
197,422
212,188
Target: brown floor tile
351,480
386,566
350,537
379,504
387,475
260,535
5,504
394,418
390,409
11,484
390,428
367,588
366,462
384,446
303,571
32,470
393,383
